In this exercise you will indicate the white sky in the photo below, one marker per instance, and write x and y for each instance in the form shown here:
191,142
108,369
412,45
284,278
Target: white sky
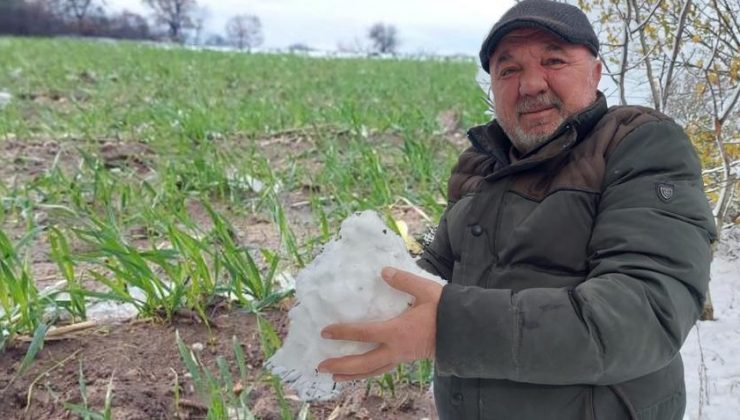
434,26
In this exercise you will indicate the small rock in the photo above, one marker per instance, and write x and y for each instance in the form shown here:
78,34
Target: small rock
197,347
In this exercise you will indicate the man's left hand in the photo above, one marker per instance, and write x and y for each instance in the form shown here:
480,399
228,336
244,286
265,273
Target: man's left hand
405,338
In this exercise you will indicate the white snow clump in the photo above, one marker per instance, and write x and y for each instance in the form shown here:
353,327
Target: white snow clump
343,284
5,98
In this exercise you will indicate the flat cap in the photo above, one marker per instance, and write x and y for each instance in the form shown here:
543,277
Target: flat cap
564,20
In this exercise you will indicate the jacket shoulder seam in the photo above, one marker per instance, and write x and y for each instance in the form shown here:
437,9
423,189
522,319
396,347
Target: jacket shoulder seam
614,144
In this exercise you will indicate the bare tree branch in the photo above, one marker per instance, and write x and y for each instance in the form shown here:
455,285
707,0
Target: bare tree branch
244,31
625,58
175,14
641,24
675,50
728,109
648,64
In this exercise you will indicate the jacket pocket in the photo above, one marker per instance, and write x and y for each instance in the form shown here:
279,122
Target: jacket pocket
671,408
608,405
506,400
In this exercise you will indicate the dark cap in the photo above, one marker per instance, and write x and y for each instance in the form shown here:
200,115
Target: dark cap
566,21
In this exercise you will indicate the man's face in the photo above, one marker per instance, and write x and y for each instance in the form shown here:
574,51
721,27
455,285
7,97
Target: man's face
539,80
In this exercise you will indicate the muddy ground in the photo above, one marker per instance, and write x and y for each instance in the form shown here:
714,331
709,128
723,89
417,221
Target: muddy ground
142,359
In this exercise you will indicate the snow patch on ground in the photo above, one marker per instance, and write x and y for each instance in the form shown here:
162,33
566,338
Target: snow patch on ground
5,98
711,353
111,312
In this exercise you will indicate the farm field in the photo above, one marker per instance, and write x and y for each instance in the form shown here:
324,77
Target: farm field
156,204
176,192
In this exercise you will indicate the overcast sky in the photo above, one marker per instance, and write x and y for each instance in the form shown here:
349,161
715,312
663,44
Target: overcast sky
433,26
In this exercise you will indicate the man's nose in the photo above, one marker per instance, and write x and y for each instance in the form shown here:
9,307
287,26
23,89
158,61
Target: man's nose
532,82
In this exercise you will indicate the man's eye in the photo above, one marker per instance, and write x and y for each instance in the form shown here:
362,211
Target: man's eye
506,72
554,62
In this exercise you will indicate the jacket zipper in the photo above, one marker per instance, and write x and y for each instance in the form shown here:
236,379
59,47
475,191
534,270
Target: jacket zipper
499,213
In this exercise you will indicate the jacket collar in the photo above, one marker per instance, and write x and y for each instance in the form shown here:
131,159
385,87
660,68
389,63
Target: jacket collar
490,138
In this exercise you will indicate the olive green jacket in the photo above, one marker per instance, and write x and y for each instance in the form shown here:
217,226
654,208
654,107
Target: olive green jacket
575,272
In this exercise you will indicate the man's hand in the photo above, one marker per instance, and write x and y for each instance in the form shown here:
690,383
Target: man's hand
405,338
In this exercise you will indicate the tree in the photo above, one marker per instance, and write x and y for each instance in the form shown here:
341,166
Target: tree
201,16
244,31
129,25
175,14
384,38
715,64
77,9
68,17
31,18
686,53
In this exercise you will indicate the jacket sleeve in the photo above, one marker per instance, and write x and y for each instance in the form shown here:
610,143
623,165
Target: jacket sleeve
437,258
649,258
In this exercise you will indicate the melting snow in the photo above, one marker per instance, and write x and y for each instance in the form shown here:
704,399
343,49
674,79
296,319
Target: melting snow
110,311
5,98
342,284
240,181
711,353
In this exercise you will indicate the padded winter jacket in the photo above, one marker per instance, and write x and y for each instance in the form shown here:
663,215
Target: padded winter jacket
574,272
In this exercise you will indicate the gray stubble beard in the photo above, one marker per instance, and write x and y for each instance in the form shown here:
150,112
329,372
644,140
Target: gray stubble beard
525,142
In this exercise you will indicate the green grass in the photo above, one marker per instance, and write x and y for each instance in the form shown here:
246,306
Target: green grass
219,390
204,127
20,304
83,409
155,94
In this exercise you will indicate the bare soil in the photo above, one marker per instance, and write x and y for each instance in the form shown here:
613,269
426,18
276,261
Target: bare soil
146,368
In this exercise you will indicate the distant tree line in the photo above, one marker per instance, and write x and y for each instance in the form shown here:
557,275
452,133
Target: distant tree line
180,21
177,21
70,17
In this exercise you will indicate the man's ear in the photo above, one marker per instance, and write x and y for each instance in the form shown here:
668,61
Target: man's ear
597,71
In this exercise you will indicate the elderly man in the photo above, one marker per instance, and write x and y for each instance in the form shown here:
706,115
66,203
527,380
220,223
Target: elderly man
576,244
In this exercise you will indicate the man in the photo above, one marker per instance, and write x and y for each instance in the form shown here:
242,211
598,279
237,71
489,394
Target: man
576,244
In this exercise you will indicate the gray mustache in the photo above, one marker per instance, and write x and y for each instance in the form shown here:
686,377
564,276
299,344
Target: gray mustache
531,103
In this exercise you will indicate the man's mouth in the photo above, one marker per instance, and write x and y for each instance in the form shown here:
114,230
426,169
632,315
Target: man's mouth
537,110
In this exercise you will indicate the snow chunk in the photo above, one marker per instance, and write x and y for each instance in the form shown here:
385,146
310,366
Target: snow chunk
343,284
5,98
246,182
112,312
